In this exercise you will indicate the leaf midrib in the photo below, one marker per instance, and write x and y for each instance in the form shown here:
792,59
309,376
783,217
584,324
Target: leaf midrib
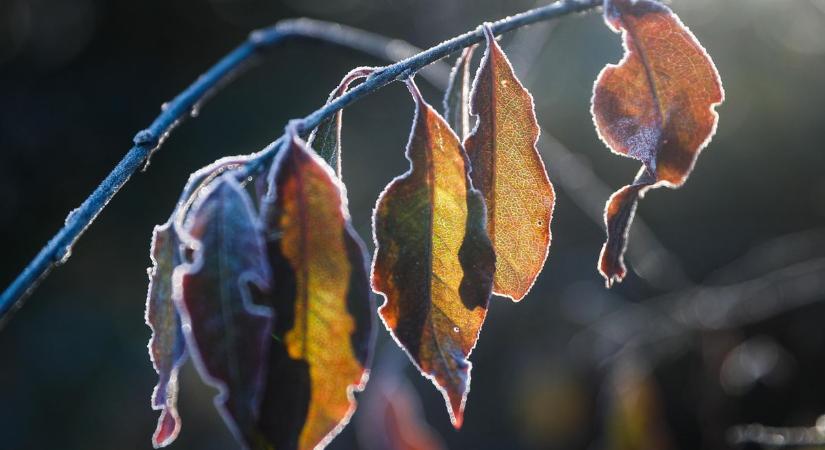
651,81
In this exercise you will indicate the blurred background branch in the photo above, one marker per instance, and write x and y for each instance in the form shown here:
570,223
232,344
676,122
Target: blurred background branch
779,437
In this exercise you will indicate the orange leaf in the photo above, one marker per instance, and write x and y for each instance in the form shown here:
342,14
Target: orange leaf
508,170
321,294
657,105
433,260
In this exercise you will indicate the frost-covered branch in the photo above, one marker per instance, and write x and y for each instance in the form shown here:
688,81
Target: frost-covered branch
58,249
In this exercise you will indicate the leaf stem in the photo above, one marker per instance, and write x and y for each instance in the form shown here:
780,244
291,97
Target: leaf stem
147,141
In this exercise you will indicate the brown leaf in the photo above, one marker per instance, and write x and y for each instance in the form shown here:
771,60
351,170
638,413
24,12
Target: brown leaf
508,170
657,105
433,260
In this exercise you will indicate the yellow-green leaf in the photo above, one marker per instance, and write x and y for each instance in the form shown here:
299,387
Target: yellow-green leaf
433,260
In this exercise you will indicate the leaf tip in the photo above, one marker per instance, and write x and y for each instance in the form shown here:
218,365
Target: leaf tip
167,429
611,264
455,405
612,273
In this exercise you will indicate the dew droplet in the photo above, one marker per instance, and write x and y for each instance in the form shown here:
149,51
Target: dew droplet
456,329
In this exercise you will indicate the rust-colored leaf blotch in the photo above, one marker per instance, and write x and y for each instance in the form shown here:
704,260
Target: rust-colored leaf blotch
228,334
433,260
508,170
321,293
657,105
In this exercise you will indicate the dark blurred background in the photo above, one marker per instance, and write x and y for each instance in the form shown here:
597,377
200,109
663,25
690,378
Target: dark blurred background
718,325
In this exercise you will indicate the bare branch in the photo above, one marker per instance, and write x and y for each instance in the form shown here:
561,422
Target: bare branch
58,249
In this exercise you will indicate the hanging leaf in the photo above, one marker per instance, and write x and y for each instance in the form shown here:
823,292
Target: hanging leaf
228,334
657,106
433,260
326,137
324,333
167,348
457,96
508,170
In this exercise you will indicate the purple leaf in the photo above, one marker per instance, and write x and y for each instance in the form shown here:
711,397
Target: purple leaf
228,334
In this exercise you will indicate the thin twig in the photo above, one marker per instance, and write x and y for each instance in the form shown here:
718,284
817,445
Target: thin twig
58,249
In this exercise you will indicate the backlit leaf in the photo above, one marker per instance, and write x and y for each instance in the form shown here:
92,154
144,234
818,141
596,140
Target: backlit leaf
508,170
457,96
228,334
433,260
324,332
167,348
326,137
657,106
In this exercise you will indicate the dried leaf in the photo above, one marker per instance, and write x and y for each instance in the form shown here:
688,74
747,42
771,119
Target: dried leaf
326,137
508,170
657,106
167,348
457,96
433,260
228,334
324,333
